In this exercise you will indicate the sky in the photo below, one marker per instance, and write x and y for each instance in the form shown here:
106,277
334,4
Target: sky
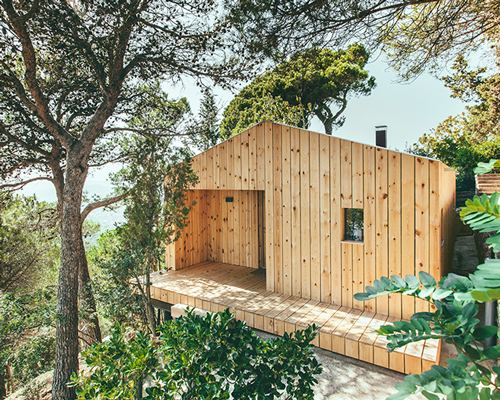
408,110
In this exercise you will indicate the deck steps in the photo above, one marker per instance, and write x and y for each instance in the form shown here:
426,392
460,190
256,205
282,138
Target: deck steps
348,331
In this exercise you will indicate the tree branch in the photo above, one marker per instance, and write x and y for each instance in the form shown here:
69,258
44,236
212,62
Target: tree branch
98,204
146,132
20,185
30,63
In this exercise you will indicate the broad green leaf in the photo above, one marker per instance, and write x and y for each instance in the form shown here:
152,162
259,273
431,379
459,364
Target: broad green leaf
492,352
379,286
426,292
429,395
398,281
441,294
412,282
494,294
484,168
472,352
362,296
427,280
480,296
484,332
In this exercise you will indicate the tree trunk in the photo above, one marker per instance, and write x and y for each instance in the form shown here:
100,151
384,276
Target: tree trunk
3,389
66,361
327,123
326,117
89,325
150,313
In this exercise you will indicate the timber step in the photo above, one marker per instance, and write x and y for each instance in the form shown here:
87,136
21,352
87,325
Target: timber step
348,331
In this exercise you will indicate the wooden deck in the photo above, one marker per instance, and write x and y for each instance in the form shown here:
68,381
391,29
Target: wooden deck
215,286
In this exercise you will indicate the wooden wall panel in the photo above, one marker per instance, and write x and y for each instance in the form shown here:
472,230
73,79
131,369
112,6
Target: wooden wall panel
252,158
305,222
421,222
435,239
261,164
223,165
269,193
210,168
370,220
227,232
408,227
245,173
219,222
278,209
237,162
325,228
336,221
203,177
347,293
358,265
192,246
230,164
315,215
346,174
295,188
294,225
217,167
394,160
286,194
357,169
449,216
381,225
233,216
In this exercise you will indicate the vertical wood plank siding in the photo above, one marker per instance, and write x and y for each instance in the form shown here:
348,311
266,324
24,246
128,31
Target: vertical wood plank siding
290,188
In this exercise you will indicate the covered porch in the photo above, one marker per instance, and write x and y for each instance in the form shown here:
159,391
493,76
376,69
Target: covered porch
214,286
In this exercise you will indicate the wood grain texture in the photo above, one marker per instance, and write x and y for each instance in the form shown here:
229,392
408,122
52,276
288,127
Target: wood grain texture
290,188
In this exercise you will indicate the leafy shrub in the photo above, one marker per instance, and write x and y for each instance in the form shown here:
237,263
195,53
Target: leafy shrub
454,321
212,357
118,367
27,334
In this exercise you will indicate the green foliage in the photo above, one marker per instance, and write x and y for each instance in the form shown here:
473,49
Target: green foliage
212,357
473,137
307,85
156,181
453,321
204,130
117,301
414,34
455,145
483,215
484,168
118,367
27,337
218,357
29,243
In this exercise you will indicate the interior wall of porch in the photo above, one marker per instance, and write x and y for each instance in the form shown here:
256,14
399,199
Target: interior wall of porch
223,226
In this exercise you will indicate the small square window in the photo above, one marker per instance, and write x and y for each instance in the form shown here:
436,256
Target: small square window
353,224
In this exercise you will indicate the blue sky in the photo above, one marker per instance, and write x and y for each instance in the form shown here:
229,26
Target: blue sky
409,110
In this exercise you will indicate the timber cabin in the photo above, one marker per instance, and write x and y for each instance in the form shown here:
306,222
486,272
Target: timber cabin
289,224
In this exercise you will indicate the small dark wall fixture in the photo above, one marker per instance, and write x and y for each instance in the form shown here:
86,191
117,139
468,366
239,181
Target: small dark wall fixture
229,199
381,136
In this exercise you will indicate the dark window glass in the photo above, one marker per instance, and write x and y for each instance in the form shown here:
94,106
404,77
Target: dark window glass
354,224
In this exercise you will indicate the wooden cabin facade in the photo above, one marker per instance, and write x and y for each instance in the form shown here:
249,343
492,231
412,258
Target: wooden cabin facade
273,200
274,197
